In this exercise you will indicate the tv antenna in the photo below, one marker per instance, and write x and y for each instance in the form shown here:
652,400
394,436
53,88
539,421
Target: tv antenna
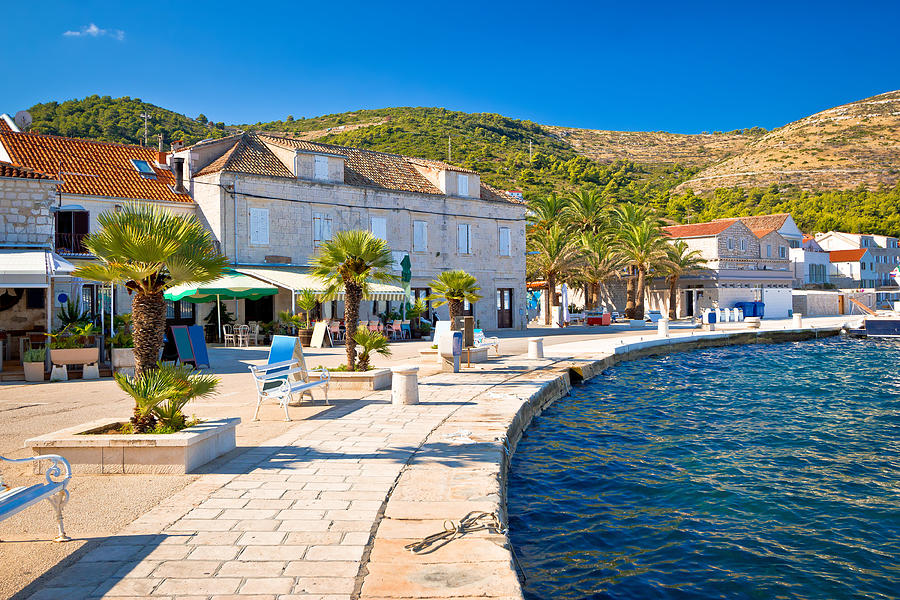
145,117
23,120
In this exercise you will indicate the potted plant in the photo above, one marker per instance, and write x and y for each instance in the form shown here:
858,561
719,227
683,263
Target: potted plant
211,329
306,301
74,345
121,349
33,361
414,313
425,328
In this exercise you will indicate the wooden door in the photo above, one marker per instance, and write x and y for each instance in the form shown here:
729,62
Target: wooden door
504,308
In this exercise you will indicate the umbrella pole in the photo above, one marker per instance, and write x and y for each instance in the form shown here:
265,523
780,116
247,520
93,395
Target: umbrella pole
219,314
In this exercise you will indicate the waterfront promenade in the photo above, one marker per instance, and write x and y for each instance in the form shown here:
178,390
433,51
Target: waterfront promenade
325,508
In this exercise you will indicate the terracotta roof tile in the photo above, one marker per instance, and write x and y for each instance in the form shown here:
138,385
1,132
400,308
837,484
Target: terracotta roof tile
698,229
92,168
760,233
361,167
854,255
248,155
774,221
10,170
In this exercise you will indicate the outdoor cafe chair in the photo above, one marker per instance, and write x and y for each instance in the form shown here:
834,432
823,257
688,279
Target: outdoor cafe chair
243,335
228,332
335,329
395,331
373,325
405,330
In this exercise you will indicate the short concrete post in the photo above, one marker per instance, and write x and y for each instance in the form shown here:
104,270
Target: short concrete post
91,371
59,373
536,347
798,321
662,327
405,385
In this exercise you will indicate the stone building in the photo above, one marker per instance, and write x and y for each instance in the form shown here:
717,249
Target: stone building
28,266
271,201
743,265
88,178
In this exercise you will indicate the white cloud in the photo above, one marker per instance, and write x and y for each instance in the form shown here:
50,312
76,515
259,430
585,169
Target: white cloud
93,31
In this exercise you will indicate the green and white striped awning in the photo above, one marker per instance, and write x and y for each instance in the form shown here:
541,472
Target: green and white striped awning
296,279
231,285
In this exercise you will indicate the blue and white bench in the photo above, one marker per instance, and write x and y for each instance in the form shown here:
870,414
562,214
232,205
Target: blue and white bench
279,381
486,342
17,499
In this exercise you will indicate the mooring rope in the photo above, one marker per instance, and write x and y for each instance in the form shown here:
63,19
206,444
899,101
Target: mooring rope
474,521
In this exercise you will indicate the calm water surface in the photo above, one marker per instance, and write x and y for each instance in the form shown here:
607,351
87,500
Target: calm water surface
769,471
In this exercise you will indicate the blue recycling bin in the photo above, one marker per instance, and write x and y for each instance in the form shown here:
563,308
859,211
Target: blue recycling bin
760,309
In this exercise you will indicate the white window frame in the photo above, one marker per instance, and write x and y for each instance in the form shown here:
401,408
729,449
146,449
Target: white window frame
464,238
322,228
782,252
378,227
320,166
420,236
259,226
743,244
507,250
462,184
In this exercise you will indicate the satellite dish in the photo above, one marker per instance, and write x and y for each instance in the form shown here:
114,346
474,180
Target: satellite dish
23,119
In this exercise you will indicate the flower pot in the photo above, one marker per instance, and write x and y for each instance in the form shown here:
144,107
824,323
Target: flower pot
122,358
305,336
34,371
74,356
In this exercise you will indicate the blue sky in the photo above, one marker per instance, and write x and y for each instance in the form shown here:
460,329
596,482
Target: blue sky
674,66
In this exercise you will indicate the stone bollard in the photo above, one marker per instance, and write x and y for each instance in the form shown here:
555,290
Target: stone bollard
405,385
662,327
798,321
536,347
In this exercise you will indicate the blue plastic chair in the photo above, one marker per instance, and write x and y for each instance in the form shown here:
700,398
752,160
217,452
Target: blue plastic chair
282,349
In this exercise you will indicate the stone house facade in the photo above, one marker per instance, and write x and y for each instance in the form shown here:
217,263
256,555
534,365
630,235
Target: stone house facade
743,265
883,256
271,201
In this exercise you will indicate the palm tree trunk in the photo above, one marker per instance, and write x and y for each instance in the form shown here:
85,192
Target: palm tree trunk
673,298
587,296
551,297
148,322
352,298
629,294
639,294
456,309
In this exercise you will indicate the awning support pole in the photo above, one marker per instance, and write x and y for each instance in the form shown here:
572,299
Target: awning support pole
219,315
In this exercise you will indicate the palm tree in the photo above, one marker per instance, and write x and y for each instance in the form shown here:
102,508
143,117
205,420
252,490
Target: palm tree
452,288
644,247
552,254
624,216
370,341
585,211
150,250
680,259
600,262
349,262
546,211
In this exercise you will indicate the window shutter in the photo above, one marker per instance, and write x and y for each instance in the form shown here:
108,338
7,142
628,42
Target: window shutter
379,227
463,187
504,241
321,167
259,226
420,236
326,228
317,227
462,241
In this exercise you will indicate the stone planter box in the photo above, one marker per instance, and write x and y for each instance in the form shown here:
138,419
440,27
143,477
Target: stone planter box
74,356
376,379
123,359
475,355
177,453
34,371
430,354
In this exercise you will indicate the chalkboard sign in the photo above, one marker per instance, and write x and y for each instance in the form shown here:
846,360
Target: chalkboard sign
321,336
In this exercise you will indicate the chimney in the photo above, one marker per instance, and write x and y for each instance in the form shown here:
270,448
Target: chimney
178,168
160,155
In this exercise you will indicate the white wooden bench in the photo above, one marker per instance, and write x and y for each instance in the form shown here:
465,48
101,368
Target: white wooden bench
17,499
274,381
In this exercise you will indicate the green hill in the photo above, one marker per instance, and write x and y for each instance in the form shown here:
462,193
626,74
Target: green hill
119,120
643,167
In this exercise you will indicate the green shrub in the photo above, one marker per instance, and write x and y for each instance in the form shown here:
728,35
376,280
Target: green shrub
33,355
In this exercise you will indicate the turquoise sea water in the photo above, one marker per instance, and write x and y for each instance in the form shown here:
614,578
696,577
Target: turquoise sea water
769,471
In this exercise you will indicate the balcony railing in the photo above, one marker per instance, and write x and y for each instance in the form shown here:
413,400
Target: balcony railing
71,243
